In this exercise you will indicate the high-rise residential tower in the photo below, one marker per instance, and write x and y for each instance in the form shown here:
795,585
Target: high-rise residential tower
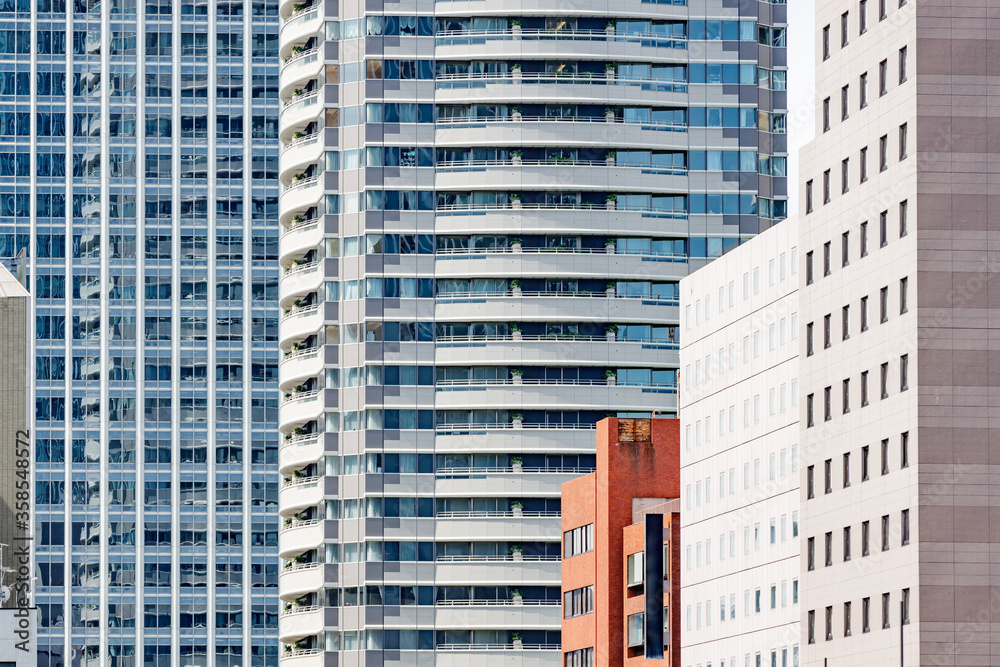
138,164
899,239
486,209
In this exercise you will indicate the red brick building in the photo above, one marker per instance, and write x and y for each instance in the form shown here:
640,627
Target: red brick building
621,549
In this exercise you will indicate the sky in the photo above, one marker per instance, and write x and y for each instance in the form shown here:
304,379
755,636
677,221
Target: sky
801,85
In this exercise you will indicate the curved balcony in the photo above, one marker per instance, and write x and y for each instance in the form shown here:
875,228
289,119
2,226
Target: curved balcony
300,110
486,482
299,494
299,365
551,220
550,395
489,614
590,176
299,622
300,322
567,88
299,69
542,130
300,280
300,537
551,307
298,26
300,451
498,526
301,408
547,262
299,579
305,657
303,192
299,237
301,152
515,44
529,350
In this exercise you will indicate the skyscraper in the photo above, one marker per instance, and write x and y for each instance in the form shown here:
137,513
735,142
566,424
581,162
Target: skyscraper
485,213
138,159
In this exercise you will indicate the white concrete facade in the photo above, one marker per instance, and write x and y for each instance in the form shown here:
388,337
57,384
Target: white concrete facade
739,457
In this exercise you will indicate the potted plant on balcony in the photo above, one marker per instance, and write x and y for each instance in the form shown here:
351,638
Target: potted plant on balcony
515,287
611,377
517,375
517,641
516,462
610,69
288,522
609,289
517,508
515,156
516,596
515,201
610,332
517,552
610,245
515,71
515,27
609,158
609,115
515,114
516,244
609,28
611,202
515,331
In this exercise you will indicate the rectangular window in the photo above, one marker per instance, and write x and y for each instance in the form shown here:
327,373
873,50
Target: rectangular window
864,313
810,415
885,533
862,17
827,407
904,520
811,482
845,322
845,248
826,42
883,77
828,476
826,186
902,65
863,94
882,12
847,469
826,332
844,22
826,114
883,302
579,540
865,538
885,380
866,615
904,372
846,396
634,566
811,625
847,544
864,239
885,611
809,267
811,554
885,457
883,228
902,142
903,221
809,340
826,259
883,152
829,623
906,606
904,450
847,619
864,388
864,464
903,288
809,196
578,602
845,171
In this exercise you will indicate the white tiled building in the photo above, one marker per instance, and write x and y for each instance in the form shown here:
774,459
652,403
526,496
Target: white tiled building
739,457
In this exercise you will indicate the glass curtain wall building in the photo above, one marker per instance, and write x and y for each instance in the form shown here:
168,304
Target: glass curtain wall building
485,214
138,165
